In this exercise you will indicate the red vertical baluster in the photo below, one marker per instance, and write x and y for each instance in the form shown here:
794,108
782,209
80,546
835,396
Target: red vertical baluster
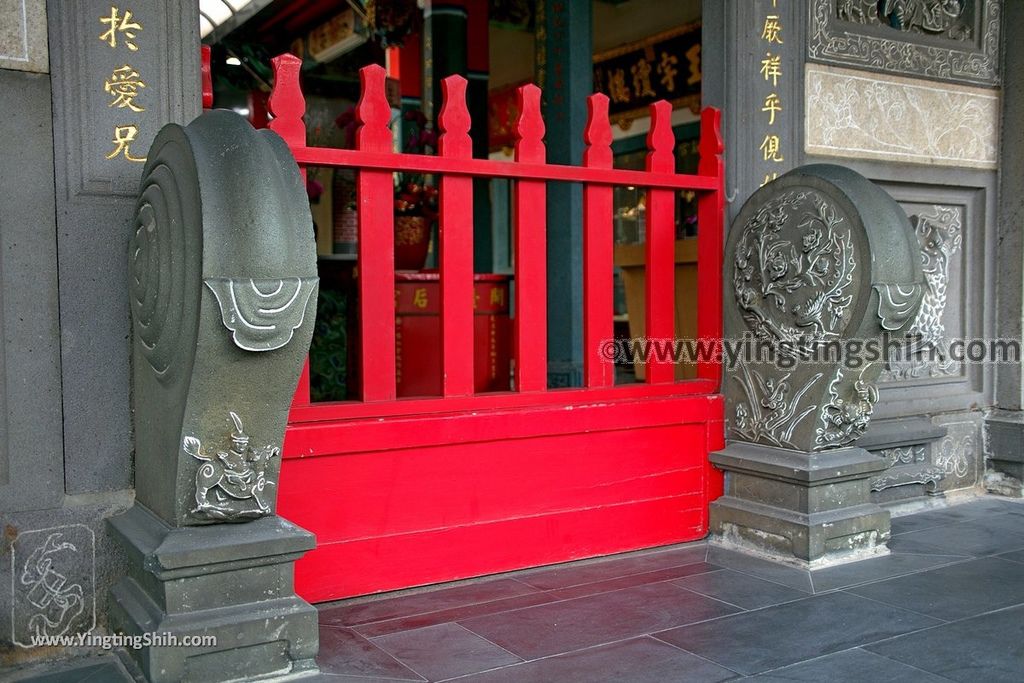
710,219
456,251
205,76
374,193
660,252
598,370
530,225
288,106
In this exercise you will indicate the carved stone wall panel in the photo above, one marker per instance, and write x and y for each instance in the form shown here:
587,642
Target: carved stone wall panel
936,39
939,229
960,453
23,43
856,115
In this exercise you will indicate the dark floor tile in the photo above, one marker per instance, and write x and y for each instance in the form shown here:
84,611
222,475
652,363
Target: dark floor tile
106,669
381,628
888,566
350,614
850,665
953,592
906,544
573,624
444,651
342,678
633,580
342,651
988,648
798,579
1016,556
769,638
742,590
565,576
976,537
640,660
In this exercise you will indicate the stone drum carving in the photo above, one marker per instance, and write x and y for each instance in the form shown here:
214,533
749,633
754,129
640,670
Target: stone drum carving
223,285
821,263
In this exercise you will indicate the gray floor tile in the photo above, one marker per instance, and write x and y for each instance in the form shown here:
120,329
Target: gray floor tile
953,592
612,568
343,651
640,660
850,665
632,580
955,513
798,579
906,543
773,637
888,566
105,669
988,648
444,651
1016,556
976,537
742,590
348,614
573,624
479,609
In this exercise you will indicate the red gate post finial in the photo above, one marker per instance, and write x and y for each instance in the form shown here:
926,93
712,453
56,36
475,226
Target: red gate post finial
660,250
710,230
375,198
286,102
598,305
456,252
373,111
530,236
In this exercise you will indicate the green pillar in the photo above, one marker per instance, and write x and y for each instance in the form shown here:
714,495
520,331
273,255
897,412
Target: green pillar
565,74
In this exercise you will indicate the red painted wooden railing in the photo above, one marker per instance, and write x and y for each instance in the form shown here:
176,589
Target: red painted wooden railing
375,162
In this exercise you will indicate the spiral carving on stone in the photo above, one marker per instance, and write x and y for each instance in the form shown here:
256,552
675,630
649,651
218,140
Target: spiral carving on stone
159,263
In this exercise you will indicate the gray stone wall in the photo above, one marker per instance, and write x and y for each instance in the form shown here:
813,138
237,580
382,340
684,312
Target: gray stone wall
65,217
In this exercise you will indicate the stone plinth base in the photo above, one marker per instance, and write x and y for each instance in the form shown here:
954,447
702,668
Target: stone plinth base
231,581
1006,445
809,509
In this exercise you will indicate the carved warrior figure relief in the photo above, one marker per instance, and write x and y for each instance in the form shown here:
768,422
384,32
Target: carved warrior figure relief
936,17
939,233
230,484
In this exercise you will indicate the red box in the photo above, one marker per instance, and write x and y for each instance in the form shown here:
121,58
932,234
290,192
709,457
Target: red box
418,334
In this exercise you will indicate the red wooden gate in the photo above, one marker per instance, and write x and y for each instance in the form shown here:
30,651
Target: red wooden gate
415,491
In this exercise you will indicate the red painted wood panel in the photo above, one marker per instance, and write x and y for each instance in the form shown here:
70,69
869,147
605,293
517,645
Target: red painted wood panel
710,239
558,483
660,247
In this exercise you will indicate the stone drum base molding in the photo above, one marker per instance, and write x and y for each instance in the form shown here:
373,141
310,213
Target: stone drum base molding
807,509
1005,475
231,581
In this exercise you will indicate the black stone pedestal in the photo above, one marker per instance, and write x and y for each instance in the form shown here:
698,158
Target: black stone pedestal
809,509
231,581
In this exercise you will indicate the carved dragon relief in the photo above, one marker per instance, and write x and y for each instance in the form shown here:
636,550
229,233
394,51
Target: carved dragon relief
940,236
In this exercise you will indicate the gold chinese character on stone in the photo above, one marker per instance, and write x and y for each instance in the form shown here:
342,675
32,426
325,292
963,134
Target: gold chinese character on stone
667,69
419,299
768,177
771,67
123,87
772,30
642,79
123,24
772,105
770,148
124,136
617,89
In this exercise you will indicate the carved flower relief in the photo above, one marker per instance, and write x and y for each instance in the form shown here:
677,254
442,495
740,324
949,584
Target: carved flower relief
778,260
